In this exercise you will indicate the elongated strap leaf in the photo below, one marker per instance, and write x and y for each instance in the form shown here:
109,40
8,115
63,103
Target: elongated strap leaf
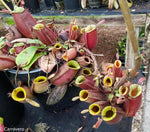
35,57
34,41
2,39
32,102
83,4
56,95
116,4
24,58
2,42
18,44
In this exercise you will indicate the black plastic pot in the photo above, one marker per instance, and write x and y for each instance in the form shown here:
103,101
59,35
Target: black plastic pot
50,3
72,4
23,75
63,104
122,59
32,5
58,0
10,110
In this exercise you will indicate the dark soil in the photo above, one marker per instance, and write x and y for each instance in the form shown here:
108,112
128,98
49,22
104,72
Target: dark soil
2,31
108,42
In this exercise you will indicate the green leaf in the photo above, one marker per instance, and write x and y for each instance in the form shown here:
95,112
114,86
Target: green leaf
97,82
24,58
121,55
123,49
65,46
140,48
142,35
110,96
18,44
142,58
117,95
124,38
119,42
117,50
117,91
12,51
2,42
35,57
2,39
34,41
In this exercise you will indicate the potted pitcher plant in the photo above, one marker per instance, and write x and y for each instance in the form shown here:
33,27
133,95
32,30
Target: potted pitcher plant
66,59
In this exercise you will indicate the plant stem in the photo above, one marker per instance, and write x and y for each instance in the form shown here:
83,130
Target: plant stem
18,3
134,41
94,60
5,5
100,22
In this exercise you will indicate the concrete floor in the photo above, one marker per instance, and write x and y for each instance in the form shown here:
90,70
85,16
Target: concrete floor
146,112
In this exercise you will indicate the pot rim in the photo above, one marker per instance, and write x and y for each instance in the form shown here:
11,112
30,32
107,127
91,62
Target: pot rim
13,71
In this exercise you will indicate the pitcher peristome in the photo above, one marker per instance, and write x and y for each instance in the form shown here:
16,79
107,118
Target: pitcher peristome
40,84
112,115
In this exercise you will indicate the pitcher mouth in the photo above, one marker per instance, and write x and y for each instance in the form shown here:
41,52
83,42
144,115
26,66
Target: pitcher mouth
123,90
40,79
108,81
135,90
110,68
19,94
94,109
90,28
18,9
84,94
75,27
82,30
117,63
73,65
80,79
38,26
109,113
86,72
87,59
57,46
